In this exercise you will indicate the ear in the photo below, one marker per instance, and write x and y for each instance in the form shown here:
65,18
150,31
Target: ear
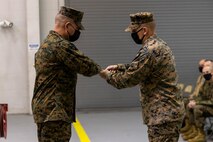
146,30
67,24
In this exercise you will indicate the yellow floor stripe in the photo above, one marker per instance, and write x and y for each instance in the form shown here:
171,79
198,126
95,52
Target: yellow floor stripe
80,131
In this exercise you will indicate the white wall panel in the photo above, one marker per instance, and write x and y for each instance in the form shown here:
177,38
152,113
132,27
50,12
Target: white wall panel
16,58
13,57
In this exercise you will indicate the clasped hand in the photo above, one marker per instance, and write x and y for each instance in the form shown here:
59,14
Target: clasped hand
108,70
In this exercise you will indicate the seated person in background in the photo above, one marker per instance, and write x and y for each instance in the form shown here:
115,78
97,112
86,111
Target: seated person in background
202,105
189,129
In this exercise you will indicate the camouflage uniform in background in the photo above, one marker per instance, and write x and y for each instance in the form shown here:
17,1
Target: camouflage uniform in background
204,104
198,86
57,63
202,109
153,69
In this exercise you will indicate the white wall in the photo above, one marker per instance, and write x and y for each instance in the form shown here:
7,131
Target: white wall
13,57
33,42
17,73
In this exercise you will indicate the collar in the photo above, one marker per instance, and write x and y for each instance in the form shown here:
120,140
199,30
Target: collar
149,39
54,33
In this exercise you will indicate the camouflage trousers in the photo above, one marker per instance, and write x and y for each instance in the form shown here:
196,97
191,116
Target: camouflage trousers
54,131
199,113
168,132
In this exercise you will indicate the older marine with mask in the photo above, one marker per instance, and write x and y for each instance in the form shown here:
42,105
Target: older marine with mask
153,69
57,63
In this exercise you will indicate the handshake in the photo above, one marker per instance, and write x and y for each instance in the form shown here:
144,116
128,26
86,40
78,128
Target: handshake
105,73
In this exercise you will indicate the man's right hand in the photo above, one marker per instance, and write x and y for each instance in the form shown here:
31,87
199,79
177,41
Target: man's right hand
112,67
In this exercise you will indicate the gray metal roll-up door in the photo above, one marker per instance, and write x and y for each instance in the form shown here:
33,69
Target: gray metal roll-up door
186,25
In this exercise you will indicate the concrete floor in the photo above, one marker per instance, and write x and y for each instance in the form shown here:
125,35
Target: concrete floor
116,125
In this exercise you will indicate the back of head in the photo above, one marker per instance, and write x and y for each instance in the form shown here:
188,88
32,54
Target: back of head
60,20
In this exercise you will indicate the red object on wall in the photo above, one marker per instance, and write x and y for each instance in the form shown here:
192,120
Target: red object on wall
3,120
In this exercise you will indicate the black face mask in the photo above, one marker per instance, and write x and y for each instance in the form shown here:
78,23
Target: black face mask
75,36
207,76
136,38
200,69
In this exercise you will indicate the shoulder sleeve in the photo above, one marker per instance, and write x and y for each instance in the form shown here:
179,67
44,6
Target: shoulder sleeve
76,60
123,67
133,73
206,94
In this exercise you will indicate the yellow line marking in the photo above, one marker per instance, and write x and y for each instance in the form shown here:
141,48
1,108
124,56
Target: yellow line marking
80,131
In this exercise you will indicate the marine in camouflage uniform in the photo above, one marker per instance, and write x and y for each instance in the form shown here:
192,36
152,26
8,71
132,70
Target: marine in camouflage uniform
203,108
190,130
57,63
187,99
153,69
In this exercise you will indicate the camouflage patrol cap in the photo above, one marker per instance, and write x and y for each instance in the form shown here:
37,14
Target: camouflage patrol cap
73,14
137,19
